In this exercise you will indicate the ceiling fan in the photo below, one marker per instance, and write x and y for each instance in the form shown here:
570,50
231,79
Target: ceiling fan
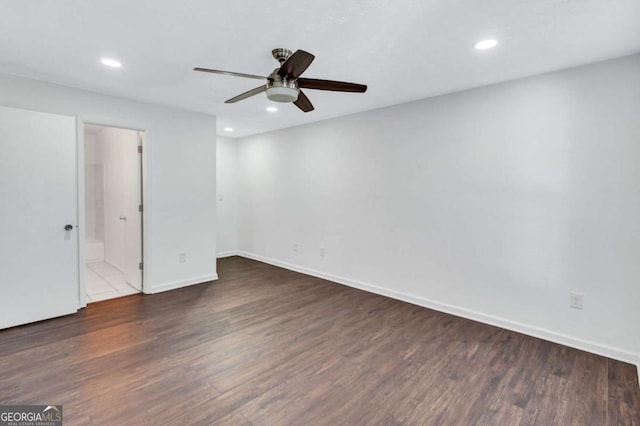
284,83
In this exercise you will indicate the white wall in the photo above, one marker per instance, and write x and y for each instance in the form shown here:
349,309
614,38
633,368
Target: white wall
226,181
493,203
94,226
181,195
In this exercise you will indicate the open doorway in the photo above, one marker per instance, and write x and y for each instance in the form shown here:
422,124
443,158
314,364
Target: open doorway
113,212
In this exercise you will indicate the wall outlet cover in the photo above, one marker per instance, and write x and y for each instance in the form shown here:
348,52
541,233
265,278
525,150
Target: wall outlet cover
576,300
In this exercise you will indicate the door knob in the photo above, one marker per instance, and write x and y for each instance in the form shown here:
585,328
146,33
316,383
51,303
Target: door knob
123,218
68,227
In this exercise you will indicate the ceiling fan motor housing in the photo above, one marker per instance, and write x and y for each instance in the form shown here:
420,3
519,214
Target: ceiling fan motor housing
282,90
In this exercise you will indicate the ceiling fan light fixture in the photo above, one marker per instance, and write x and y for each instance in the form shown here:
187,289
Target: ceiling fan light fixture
284,83
282,94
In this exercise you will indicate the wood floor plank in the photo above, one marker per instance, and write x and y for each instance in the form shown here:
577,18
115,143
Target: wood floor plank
267,346
623,394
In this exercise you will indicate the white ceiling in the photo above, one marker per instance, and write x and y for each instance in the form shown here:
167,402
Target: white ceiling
403,49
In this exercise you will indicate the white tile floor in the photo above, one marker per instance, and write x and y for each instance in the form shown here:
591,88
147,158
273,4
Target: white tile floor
106,282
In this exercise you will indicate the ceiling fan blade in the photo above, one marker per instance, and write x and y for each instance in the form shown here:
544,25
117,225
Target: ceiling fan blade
296,64
236,74
246,94
303,102
336,86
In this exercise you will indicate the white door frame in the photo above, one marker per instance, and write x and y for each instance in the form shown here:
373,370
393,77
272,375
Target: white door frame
146,214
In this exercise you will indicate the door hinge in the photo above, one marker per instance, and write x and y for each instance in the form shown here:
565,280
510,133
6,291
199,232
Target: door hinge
140,265
140,208
139,149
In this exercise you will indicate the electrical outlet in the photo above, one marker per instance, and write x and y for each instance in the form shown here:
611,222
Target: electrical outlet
576,300
321,251
296,247
182,257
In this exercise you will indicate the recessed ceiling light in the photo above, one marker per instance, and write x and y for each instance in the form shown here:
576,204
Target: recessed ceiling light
111,62
486,44
272,109
228,129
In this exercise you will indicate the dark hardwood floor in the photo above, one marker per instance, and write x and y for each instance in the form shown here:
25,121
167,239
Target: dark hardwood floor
267,346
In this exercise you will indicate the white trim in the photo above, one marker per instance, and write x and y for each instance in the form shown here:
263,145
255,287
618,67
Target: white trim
146,203
552,336
114,264
227,254
82,233
179,284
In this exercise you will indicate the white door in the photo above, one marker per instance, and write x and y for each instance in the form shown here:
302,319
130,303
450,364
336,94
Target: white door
38,198
131,167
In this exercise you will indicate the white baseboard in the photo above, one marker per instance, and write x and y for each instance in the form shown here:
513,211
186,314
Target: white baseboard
227,254
114,264
552,336
182,283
